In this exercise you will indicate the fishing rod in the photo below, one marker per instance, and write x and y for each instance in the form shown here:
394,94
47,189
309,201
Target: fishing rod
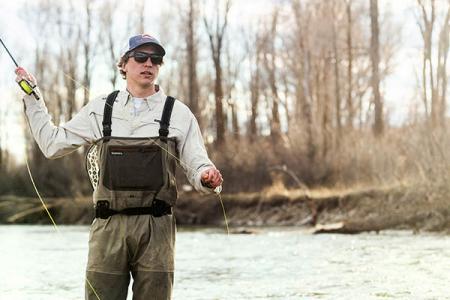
24,84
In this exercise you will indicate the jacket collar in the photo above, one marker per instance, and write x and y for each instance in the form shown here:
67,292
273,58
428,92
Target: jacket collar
124,97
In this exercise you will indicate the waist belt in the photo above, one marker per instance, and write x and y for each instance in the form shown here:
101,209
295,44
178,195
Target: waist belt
158,209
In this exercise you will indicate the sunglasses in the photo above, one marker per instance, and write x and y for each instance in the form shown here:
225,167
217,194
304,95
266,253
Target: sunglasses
142,57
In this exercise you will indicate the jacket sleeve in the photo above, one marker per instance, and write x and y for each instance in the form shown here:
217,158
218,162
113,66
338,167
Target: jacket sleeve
56,141
193,155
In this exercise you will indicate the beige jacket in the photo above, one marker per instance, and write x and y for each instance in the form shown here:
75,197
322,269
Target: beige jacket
86,127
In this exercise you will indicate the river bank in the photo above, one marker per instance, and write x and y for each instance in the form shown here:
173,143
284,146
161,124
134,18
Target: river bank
344,211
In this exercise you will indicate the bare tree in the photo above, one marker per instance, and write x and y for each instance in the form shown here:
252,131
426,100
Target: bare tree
216,32
87,49
108,36
192,57
302,71
232,68
270,56
140,7
69,34
442,76
253,46
337,77
426,30
378,126
349,102
434,69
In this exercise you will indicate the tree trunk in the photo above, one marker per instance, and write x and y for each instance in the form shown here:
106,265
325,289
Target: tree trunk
275,126
254,96
192,54
218,92
442,68
350,108
378,126
216,44
87,53
141,24
303,70
337,88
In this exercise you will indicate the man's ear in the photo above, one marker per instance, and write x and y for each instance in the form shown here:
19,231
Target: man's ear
124,68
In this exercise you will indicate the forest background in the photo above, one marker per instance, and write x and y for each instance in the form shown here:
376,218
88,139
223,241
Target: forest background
299,94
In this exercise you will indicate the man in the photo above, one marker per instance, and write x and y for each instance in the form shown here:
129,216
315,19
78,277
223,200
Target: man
140,134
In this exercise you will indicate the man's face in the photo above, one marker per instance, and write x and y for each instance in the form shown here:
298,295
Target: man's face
145,73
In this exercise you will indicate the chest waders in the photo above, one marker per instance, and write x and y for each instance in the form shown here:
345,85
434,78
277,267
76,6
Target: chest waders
136,175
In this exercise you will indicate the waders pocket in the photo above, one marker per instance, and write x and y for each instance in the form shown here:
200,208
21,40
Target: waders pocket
133,168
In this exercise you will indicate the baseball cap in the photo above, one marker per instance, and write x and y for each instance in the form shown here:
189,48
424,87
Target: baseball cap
145,39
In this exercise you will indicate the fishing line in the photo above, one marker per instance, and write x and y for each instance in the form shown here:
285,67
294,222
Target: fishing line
29,88
50,215
39,196
48,212
217,190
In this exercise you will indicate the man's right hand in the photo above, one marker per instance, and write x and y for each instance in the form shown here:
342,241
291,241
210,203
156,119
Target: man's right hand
23,74
27,82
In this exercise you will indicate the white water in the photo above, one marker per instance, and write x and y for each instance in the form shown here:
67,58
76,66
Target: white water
277,263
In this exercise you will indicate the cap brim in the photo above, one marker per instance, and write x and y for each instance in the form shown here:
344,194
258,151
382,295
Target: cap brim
159,48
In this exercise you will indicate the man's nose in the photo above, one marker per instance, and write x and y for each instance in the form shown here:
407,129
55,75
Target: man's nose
148,62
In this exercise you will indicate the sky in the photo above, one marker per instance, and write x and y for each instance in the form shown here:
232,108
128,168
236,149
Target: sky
399,89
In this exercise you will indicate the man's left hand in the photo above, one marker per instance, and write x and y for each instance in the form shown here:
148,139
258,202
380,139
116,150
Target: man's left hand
212,178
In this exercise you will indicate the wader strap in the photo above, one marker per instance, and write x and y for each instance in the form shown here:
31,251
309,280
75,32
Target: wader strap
165,118
158,209
107,113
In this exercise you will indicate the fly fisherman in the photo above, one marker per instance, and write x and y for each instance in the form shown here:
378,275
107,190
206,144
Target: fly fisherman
140,133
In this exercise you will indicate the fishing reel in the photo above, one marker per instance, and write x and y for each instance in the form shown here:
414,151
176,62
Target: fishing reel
28,88
24,84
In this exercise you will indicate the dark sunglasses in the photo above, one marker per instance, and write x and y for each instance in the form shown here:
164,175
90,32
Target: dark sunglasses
142,57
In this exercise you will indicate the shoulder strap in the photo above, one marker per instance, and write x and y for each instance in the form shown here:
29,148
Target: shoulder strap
165,118
107,113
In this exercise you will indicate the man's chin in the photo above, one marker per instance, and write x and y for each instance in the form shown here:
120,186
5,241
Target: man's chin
146,84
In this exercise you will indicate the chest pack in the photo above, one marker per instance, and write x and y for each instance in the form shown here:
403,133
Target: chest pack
133,176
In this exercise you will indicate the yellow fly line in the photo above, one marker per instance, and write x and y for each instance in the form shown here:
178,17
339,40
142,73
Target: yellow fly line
39,196
217,190
50,215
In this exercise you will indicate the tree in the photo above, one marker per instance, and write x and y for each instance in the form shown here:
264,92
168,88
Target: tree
108,37
253,46
216,37
269,58
87,49
337,77
434,74
349,40
301,65
192,57
378,126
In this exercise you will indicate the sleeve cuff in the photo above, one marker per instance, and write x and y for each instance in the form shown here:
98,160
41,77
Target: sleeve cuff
30,100
198,182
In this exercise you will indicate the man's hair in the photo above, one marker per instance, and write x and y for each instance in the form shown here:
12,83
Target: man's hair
123,60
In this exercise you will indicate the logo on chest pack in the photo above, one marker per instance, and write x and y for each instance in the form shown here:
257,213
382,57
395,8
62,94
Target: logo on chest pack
117,153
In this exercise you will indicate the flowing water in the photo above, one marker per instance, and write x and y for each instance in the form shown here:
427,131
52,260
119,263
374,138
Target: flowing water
275,263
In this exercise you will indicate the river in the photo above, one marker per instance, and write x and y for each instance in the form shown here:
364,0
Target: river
275,263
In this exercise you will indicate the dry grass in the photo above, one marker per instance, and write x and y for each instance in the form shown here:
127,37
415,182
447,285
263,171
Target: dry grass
404,156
